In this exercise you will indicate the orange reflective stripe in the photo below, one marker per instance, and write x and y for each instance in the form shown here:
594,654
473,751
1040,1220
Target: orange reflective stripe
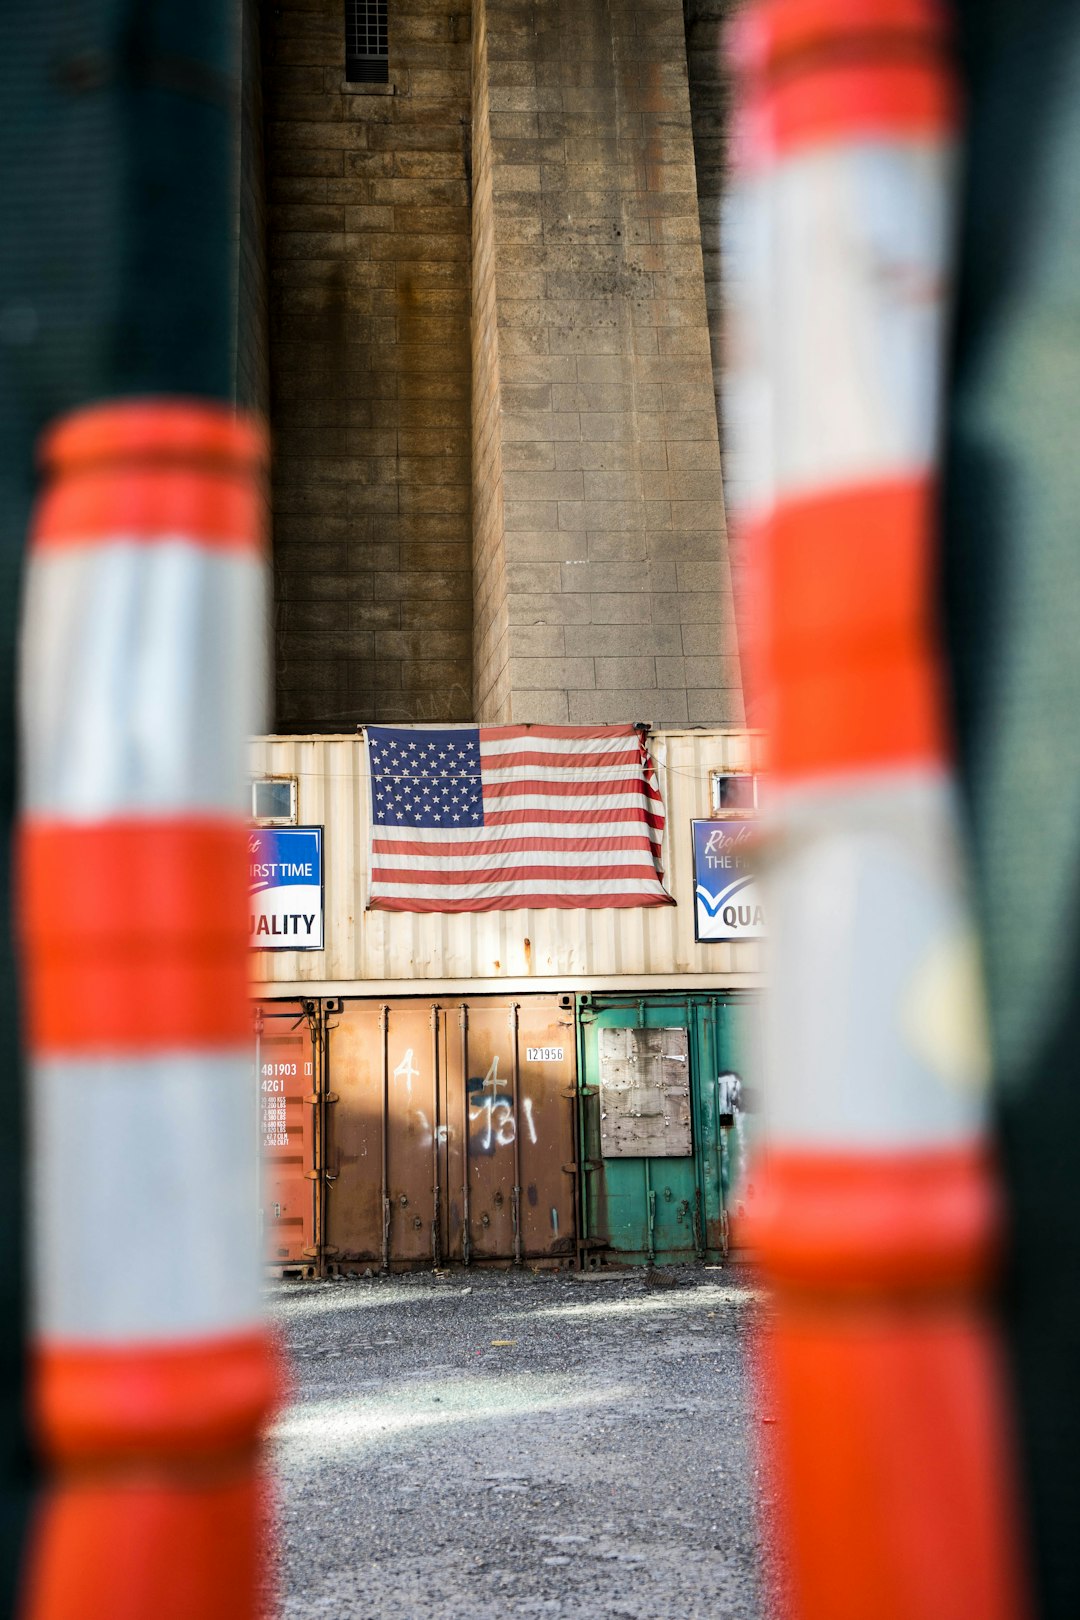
820,72
143,1401
898,101
182,1548
850,562
890,1450
154,429
846,653
208,507
868,709
136,935
152,469
920,1222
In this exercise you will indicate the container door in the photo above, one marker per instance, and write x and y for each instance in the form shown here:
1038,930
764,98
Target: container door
354,1196
285,1070
738,1048
715,1086
383,1204
643,1195
485,1083
547,1070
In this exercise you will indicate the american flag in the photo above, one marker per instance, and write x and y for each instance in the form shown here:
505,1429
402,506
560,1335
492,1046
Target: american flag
490,818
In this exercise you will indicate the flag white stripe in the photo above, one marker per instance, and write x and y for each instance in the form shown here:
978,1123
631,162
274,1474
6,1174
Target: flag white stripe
567,801
515,858
564,773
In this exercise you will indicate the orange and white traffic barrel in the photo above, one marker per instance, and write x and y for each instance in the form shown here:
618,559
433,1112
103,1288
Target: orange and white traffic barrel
140,683
877,1220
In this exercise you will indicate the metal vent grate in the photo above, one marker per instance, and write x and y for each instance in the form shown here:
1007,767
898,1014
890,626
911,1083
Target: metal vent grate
366,57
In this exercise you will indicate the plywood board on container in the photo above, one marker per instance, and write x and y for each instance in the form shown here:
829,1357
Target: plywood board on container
644,1094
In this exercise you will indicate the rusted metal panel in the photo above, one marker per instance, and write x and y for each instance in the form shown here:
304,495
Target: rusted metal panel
388,952
547,1126
644,1093
452,1138
285,1065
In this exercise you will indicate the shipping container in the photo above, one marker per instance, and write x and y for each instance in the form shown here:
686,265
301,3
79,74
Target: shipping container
664,1113
546,1130
324,785
414,1133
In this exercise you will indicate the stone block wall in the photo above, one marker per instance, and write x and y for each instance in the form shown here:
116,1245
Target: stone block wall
710,109
369,246
617,593
491,640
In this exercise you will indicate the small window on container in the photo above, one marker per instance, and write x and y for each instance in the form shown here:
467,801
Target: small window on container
273,798
366,56
735,793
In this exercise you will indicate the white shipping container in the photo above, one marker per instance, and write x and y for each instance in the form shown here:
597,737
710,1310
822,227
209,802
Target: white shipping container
386,953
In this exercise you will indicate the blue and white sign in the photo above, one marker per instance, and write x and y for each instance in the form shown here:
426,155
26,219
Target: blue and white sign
727,902
285,869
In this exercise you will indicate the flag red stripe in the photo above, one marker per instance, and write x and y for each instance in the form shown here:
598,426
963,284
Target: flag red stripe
562,818
388,844
628,758
564,874
631,787
522,902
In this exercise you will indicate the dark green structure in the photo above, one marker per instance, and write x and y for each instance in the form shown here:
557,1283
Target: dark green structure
657,1206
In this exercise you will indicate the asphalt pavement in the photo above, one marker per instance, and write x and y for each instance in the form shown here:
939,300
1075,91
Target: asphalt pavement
480,1445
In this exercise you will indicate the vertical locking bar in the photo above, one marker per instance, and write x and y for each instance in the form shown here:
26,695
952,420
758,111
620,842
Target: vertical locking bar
516,1088
463,1024
436,1239
384,1028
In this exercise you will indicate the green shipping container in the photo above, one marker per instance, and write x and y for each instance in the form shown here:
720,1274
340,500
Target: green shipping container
664,1116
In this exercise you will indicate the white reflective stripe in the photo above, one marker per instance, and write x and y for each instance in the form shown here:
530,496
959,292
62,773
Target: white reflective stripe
875,1027
837,352
145,1198
139,683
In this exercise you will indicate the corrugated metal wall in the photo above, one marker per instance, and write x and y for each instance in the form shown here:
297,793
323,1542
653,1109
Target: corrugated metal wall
580,949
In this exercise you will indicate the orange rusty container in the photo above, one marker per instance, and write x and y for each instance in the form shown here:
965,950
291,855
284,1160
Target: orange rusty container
451,1132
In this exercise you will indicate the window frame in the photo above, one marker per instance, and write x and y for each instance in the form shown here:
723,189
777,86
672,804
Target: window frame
367,70
274,821
719,812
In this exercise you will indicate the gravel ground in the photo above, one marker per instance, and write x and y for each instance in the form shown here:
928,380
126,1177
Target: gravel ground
594,1464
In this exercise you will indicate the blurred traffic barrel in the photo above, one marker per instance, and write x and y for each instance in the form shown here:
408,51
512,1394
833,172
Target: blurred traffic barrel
877,1218
140,684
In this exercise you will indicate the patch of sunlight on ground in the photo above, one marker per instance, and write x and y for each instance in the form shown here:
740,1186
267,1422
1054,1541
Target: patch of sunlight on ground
368,1422
690,1300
